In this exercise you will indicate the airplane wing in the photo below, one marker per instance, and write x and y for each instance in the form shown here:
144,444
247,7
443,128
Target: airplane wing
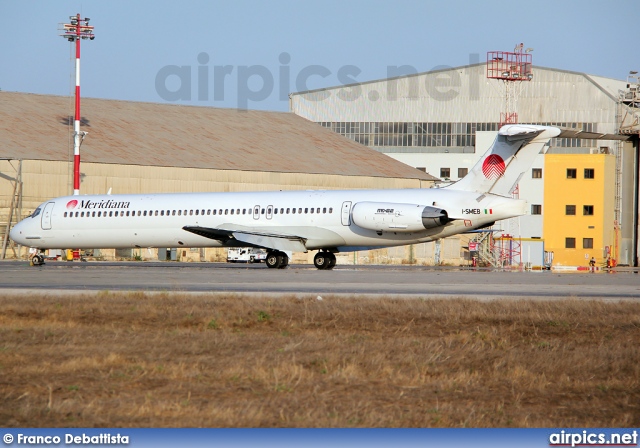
251,237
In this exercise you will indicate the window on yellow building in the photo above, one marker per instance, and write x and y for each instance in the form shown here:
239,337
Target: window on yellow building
589,173
536,173
536,209
572,173
587,243
570,243
587,210
570,210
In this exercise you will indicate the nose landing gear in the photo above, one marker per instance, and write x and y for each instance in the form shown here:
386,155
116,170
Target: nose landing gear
36,260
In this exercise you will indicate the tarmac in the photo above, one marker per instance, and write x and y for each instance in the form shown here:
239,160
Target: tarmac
60,277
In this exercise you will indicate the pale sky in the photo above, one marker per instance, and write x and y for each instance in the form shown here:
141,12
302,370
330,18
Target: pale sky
251,53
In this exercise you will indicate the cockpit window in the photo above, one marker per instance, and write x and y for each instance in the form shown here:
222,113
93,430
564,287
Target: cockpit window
35,213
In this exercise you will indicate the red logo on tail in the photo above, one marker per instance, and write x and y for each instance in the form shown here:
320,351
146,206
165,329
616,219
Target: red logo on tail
493,166
72,204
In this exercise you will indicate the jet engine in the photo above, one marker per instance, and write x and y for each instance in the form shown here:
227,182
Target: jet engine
394,217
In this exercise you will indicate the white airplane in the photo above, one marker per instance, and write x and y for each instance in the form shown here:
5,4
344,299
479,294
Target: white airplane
293,221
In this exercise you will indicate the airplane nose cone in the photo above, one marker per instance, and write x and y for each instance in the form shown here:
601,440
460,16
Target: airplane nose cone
17,233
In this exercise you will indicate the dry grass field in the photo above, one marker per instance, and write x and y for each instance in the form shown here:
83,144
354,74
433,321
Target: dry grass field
172,360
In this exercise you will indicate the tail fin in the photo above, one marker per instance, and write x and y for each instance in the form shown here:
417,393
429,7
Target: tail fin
511,155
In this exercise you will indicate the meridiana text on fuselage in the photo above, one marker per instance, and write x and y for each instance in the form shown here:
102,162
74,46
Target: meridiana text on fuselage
89,204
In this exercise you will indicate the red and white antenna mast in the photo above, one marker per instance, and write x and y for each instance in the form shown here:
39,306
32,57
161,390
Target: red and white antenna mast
512,68
75,31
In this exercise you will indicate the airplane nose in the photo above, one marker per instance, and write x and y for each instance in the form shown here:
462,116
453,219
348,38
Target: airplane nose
17,233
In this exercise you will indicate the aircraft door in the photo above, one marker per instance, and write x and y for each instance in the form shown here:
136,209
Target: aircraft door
46,216
346,213
256,212
269,211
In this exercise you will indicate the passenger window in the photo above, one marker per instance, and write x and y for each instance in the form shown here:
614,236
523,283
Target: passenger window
324,210
208,211
127,212
82,215
300,210
220,212
262,212
179,212
215,212
145,213
190,212
99,214
287,210
318,211
65,214
161,212
311,210
197,212
232,210
306,210
110,214
226,211
293,211
330,209
155,212
275,211
238,212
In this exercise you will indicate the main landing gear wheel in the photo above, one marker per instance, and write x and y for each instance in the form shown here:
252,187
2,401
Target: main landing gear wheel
324,260
277,260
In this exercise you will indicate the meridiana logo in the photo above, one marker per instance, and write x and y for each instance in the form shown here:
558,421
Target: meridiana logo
89,204
493,166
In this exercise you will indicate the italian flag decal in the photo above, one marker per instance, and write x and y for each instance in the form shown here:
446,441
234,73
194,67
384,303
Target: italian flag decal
488,211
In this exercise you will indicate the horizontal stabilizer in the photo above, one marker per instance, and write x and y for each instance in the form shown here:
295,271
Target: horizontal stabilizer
574,133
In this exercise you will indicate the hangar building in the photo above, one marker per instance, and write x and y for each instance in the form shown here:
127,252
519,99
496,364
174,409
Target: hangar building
443,121
153,148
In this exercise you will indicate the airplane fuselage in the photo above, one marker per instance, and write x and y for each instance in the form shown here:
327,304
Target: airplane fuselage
332,220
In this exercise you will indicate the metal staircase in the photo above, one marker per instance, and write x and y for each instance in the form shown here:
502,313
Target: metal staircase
485,245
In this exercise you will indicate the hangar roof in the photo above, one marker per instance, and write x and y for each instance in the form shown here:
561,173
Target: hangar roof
609,86
40,127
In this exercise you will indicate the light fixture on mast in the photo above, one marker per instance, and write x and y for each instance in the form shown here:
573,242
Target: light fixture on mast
74,31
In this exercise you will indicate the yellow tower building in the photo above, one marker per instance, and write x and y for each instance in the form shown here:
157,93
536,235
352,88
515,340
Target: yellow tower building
578,215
